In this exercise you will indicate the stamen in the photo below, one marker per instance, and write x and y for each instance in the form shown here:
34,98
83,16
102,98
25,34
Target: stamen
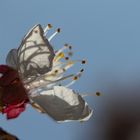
71,61
58,81
90,94
62,49
69,65
59,56
62,68
80,73
64,78
75,61
75,78
54,34
66,58
83,61
65,66
47,28
98,93
70,47
69,84
72,82
81,70
59,70
70,53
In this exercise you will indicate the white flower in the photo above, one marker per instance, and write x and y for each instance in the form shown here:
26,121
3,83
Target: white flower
43,72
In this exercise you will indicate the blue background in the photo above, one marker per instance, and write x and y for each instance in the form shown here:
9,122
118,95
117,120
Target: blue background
106,33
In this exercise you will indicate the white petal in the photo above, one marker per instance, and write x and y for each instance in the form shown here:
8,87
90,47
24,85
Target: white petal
34,56
63,104
11,59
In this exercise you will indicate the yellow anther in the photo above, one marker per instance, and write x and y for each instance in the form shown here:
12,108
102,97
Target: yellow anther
70,63
59,56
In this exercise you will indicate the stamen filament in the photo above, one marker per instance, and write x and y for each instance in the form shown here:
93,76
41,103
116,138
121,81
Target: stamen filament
47,28
66,46
69,84
90,94
59,56
75,78
54,34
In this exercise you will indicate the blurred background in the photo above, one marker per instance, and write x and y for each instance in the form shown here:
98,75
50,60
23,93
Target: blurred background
106,33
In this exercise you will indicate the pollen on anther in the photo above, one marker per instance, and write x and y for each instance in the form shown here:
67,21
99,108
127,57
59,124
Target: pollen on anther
58,30
81,70
66,58
70,47
75,77
83,61
49,26
61,54
98,93
66,44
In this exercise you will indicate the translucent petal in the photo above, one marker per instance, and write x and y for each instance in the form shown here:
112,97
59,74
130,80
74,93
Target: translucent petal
34,56
63,104
11,59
